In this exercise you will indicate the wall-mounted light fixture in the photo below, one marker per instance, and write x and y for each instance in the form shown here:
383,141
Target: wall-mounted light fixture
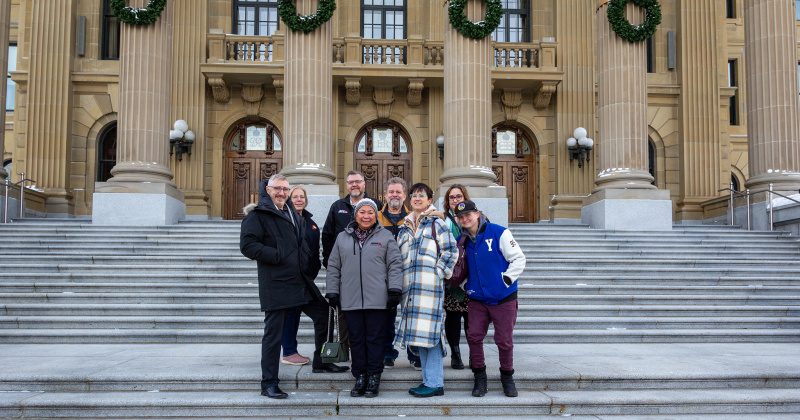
579,146
181,139
440,145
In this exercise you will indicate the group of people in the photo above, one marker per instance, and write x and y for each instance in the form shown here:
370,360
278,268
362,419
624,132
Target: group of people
378,257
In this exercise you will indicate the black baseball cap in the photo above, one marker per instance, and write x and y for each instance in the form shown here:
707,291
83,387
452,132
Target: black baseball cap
465,206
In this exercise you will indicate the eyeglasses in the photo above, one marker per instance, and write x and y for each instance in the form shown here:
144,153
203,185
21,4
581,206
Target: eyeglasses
456,197
423,195
280,189
356,181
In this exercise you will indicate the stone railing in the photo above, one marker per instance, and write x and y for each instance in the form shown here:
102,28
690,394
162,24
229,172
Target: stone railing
245,48
525,55
388,52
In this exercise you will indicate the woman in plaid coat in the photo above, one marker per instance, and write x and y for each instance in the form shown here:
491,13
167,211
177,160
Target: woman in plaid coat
429,253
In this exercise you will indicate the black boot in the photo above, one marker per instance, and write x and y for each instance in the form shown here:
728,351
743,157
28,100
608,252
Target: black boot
455,359
507,379
360,387
373,385
480,387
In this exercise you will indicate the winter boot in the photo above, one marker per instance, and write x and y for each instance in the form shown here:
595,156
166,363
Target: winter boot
455,359
360,387
372,386
480,387
507,379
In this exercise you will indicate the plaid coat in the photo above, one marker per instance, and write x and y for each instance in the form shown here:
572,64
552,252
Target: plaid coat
422,318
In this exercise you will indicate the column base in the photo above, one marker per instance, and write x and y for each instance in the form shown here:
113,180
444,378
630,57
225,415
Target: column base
196,205
137,204
320,199
490,200
309,174
628,210
566,209
59,204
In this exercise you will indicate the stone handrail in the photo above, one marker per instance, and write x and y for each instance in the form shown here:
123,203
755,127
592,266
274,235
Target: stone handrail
516,55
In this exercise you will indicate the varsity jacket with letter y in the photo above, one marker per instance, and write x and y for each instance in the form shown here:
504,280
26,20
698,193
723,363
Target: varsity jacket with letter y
495,261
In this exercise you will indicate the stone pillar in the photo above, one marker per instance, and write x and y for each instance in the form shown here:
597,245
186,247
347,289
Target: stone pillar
141,191
5,17
575,106
623,193
468,117
49,106
308,111
189,101
773,113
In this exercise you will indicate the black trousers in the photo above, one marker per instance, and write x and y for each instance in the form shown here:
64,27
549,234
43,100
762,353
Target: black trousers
317,310
367,339
452,326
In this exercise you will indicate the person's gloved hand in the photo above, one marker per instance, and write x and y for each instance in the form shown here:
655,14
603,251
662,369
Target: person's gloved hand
394,298
333,300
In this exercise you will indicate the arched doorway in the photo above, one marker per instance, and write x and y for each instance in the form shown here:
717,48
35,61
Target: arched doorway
253,152
106,152
382,152
514,164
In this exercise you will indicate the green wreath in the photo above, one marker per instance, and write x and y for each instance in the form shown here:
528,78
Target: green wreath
624,29
305,23
144,16
480,30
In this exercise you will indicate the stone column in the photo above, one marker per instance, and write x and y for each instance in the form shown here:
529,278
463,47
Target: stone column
468,117
773,113
5,17
49,106
141,191
308,111
189,100
623,192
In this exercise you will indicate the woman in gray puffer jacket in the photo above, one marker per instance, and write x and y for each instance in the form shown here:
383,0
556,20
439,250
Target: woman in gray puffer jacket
365,279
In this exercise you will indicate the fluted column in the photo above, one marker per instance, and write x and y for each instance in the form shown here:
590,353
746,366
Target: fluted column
308,139
773,113
5,17
467,104
49,106
189,99
145,86
622,106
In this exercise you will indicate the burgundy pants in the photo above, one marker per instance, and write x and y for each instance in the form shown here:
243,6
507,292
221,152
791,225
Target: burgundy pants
503,316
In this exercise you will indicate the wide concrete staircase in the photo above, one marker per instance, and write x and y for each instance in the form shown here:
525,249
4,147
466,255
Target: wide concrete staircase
184,290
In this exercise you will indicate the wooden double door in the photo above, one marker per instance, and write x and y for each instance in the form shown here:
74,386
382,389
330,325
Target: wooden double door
382,152
514,164
253,153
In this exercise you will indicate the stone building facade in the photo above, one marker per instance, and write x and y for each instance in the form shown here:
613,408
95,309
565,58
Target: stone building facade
384,93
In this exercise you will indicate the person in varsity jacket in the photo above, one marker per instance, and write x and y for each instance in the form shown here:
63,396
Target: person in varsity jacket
495,261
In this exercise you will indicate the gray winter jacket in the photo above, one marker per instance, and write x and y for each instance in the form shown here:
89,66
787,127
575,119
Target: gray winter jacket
363,274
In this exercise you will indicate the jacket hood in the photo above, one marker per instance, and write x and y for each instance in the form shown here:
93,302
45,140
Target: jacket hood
430,212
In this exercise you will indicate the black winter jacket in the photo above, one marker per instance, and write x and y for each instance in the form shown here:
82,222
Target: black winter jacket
282,254
312,239
339,216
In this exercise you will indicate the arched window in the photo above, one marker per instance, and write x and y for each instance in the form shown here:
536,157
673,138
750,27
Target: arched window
7,166
735,183
106,152
382,151
651,159
258,137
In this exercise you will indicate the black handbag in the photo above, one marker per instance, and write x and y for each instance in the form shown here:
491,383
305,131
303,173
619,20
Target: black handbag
333,351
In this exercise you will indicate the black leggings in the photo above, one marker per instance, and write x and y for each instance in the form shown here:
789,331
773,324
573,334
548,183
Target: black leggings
452,326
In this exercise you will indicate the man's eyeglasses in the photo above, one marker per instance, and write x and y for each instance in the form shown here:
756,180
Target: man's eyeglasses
456,197
280,189
423,195
355,181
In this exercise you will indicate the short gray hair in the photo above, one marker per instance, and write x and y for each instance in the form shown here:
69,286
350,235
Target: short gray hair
396,180
355,173
276,177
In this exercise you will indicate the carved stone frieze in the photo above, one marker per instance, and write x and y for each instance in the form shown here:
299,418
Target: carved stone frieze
353,90
277,83
414,96
542,98
252,93
383,96
511,99
222,92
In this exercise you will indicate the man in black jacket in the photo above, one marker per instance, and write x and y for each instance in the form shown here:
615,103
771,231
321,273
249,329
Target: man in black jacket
273,235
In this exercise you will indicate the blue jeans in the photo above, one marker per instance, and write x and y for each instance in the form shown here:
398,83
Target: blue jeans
290,326
432,365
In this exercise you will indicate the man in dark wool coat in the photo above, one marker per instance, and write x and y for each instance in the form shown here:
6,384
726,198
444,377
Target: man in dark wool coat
273,234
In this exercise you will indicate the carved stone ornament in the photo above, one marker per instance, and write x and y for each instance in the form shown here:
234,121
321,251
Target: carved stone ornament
511,99
383,98
542,98
222,92
277,83
353,90
414,96
252,93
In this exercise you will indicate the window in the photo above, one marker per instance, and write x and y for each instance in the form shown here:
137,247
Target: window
106,152
10,85
733,108
730,9
109,48
255,17
651,160
797,9
514,25
382,139
651,56
735,183
255,136
7,166
383,19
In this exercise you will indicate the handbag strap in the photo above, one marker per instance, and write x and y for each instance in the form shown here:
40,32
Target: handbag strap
433,234
331,322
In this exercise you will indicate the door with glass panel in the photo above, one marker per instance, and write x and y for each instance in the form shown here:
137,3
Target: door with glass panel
382,152
514,164
253,153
